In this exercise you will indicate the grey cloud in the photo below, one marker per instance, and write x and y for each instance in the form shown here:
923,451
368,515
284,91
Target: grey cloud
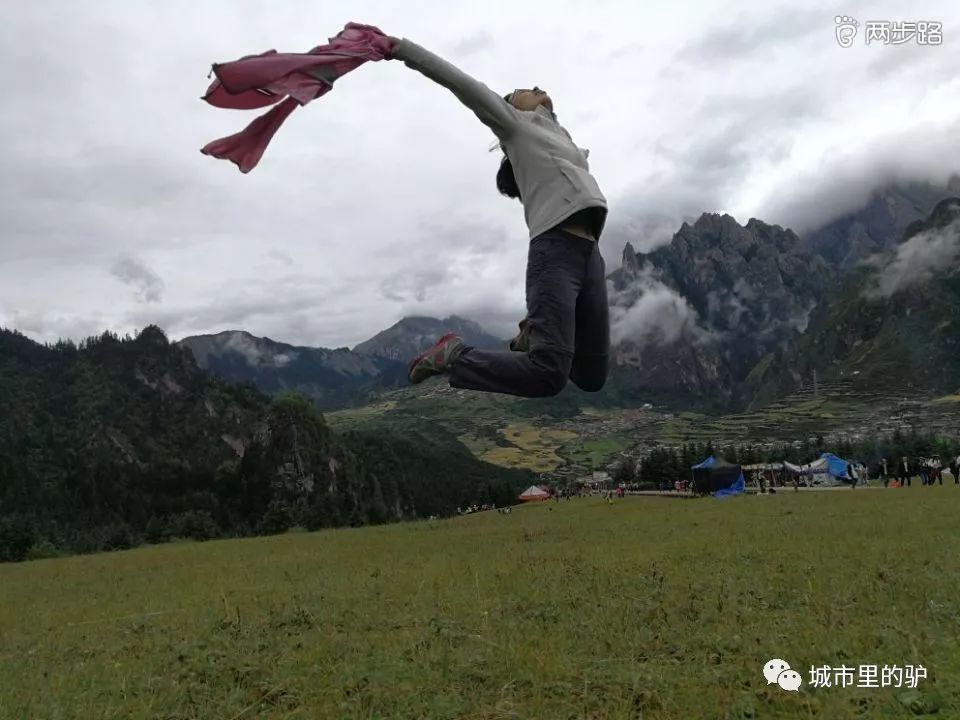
647,310
474,44
304,308
705,172
654,210
414,284
230,312
904,59
728,308
584,117
746,35
424,266
922,63
109,164
147,284
465,237
497,315
749,111
256,355
111,196
921,154
917,260
281,257
801,319
495,310
741,130
625,51
655,213
702,171
49,327
718,156
115,174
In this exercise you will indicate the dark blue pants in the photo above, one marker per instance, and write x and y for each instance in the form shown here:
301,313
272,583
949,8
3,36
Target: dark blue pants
568,320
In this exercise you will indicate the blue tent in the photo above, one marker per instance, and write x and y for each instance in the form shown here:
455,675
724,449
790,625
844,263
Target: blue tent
828,469
705,464
718,477
836,466
738,487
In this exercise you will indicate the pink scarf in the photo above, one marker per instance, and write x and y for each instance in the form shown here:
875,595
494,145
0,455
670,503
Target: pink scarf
257,81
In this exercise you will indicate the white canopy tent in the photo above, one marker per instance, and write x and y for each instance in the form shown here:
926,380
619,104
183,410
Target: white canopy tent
534,493
827,470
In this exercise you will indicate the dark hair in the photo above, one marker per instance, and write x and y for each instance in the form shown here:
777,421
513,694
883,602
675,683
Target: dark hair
506,180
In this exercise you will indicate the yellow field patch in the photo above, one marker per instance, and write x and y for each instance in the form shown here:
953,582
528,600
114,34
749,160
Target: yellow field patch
361,412
592,412
475,445
559,436
536,448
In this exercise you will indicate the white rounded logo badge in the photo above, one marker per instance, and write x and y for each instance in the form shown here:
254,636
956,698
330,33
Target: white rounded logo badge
779,672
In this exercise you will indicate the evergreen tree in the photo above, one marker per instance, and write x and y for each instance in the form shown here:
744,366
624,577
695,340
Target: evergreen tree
625,471
112,442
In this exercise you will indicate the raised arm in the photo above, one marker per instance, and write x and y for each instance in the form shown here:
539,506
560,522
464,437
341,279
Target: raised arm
493,111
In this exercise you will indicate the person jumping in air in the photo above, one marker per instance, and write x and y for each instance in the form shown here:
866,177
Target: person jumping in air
566,333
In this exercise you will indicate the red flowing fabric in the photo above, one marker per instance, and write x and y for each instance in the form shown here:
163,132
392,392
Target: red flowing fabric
290,79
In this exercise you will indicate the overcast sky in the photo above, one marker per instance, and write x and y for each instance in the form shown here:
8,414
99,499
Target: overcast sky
378,200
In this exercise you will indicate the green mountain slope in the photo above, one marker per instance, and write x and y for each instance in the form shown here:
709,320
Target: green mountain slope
117,441
893,324
331,378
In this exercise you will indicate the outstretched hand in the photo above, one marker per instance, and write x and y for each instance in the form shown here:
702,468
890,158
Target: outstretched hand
393,45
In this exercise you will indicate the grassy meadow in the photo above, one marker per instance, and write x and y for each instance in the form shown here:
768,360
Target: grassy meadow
646,608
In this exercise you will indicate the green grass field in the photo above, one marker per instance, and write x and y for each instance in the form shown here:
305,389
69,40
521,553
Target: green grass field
594,453
649,608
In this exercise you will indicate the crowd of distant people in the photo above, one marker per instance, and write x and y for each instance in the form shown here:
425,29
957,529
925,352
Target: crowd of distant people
929,470
470,509
556,496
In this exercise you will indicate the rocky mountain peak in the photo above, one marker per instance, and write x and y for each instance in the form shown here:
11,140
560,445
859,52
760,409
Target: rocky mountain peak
879,225
697,314
409,336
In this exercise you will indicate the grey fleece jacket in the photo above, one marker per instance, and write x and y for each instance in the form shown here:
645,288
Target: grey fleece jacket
551,171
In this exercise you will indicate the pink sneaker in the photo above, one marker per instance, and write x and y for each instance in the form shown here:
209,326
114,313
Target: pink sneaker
435,360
